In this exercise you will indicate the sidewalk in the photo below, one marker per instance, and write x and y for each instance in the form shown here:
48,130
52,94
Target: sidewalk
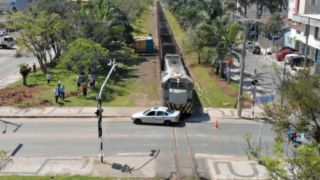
109,112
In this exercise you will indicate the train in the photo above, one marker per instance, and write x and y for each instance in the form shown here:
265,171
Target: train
177,85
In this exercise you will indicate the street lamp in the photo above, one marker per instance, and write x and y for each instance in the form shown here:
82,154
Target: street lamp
99,106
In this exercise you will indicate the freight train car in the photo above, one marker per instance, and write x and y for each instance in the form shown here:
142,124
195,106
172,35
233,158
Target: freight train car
177,86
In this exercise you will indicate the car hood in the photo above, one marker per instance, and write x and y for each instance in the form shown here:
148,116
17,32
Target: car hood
138,114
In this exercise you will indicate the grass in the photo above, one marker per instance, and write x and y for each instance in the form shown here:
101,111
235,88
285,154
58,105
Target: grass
141,24
211,95
114,94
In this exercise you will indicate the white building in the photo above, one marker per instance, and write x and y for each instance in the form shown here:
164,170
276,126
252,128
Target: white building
300,34
303,7
303,14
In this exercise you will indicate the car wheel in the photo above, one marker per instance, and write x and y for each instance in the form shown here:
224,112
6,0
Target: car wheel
138,121
167,123
4,47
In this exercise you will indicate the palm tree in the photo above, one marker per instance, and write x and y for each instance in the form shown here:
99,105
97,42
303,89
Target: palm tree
271,5
24,71
228,36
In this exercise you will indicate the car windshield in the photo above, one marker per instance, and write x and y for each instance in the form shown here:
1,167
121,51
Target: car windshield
144,113
279,52
170,111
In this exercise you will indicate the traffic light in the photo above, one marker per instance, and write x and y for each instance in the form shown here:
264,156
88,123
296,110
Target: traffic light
254,82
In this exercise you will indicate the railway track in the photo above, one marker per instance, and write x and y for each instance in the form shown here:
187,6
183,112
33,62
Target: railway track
184,160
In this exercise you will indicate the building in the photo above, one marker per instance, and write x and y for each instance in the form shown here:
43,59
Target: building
252,12
307,33
303,7
8,5
300,12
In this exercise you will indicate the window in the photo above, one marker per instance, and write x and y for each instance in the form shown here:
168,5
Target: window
313,2
151,113
13,3
173,85
316,31
170,111
160,113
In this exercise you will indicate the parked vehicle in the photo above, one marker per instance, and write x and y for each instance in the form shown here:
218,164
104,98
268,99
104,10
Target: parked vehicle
281,54
6,42
157,115
289,57
296,61
256,50
287,47
296,70
249,44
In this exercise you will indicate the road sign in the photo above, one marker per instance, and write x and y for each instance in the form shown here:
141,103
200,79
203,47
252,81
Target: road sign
264,99
275,38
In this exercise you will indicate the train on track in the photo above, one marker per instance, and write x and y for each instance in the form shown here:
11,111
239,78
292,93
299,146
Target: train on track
177,85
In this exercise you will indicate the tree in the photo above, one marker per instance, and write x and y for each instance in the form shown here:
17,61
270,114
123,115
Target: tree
82,54
38,34
271,5
24,71
273,26
297,108
4,159
14,9
245,4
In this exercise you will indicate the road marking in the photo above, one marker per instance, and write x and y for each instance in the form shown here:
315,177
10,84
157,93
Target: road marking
211,156
135,154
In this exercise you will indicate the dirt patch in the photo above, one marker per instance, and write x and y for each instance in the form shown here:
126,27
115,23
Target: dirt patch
72,93
19,94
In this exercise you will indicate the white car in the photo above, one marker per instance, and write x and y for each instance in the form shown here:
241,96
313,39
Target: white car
157,115
288,57
295,71
249,45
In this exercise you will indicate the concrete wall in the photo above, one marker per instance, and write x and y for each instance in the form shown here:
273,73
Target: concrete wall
21,5
291,8
302,6
4,5
312,7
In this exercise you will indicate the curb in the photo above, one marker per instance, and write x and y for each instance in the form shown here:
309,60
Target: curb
61,116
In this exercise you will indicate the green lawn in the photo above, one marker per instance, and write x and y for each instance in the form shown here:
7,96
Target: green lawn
210,95
114,94
140,25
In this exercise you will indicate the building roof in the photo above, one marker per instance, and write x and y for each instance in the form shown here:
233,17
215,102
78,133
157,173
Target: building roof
311,19
313,16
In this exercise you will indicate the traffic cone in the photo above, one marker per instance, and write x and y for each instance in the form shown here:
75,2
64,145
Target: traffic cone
216,125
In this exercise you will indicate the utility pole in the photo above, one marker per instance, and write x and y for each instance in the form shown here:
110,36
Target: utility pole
254,34
242,70
99,106
254,82
307,39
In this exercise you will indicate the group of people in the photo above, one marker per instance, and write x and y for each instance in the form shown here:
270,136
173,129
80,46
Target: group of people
81,79
59,92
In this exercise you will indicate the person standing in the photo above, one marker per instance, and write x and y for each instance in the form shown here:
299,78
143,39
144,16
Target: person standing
225,73
34,68
91,82
94,81
79,79
85,89
56,94
59,85
48,79
62,92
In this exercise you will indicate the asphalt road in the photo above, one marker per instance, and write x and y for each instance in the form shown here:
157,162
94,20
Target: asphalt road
9,63
79,138
267,78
